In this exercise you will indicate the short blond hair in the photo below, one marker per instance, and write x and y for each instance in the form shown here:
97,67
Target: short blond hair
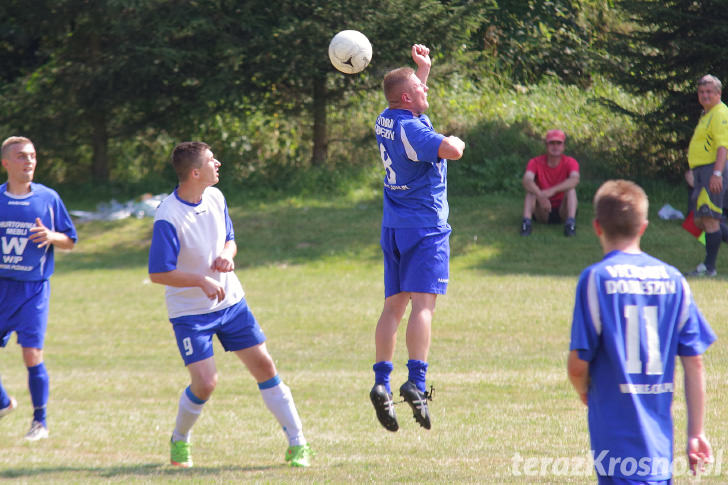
395,83
620,208
13,140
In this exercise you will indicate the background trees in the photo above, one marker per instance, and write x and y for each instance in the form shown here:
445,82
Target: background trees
105,87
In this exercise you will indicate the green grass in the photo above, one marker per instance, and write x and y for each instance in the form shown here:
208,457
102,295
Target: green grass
313,276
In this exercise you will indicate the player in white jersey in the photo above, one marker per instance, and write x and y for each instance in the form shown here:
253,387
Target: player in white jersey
33,221
415,233
192,251
633,315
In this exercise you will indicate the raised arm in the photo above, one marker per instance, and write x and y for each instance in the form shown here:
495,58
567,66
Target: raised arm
421,56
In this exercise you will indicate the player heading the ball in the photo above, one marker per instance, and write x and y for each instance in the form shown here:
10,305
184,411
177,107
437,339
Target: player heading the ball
415,235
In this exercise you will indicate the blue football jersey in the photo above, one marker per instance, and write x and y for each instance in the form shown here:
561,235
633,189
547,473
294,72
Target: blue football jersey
415,182
23,260
633,315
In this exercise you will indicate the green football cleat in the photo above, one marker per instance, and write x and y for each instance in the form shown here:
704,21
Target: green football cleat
300,455
180,454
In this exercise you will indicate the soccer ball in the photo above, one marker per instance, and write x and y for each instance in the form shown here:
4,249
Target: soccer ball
350,51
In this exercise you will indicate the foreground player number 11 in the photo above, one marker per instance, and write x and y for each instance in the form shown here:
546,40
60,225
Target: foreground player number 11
632,340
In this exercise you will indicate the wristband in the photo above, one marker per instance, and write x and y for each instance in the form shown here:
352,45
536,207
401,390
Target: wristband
717,173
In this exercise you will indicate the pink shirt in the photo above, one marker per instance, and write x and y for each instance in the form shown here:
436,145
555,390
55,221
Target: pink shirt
549,176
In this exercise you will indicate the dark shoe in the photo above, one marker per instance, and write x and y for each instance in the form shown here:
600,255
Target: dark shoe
526,227
417,401
702,270
569,228
384,406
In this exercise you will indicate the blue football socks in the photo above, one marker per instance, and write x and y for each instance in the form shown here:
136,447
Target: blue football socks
38,385
417,373
381,373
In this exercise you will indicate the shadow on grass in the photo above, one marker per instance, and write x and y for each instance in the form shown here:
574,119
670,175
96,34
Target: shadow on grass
281,234
140,470
485,230
490,226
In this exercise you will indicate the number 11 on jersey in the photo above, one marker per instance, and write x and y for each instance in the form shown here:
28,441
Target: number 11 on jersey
633,340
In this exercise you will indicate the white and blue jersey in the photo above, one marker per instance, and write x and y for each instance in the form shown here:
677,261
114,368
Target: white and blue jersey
22,260
633,315
189,237
415,183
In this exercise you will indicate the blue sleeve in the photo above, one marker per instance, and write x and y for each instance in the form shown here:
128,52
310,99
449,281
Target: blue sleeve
229,231
586,323
421,142
63,221
165,248
696,335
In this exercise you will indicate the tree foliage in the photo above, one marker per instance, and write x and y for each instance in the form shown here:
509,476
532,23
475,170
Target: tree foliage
663,48
526,40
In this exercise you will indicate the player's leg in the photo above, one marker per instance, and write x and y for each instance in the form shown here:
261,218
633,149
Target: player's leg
31,336
426,274
38,384
194,341
385,335
279,401
7,403
243,336
203,380
7,291
385,338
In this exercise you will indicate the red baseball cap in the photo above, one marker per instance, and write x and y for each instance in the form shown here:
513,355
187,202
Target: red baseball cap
555,135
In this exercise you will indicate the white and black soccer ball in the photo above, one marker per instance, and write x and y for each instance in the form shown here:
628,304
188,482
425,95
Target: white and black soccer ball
350,51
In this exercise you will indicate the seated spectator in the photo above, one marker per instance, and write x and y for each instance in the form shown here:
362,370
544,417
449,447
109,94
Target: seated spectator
550,182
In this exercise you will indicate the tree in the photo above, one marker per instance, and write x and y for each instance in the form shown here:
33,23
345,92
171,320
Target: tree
95,71
662,49
526,40
278,56
107,69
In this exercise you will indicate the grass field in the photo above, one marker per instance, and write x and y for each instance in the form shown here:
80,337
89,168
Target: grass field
313,277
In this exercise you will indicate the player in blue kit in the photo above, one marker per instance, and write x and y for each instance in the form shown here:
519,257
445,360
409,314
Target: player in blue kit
633,315
192,251
415,233
33,221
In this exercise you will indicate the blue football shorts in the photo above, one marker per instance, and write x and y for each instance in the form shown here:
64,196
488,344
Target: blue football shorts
416,259
24,310
235,326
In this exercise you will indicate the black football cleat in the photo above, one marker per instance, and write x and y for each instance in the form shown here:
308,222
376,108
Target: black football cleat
383,404
417,401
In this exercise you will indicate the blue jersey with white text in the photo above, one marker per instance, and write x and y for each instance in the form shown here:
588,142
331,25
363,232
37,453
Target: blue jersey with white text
633,315
189,237
415,182
23,260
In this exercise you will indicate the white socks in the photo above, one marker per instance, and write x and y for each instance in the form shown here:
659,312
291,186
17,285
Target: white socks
277,397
